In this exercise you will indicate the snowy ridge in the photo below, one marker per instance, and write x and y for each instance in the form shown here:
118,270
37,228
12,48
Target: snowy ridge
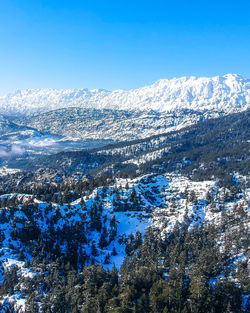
228,93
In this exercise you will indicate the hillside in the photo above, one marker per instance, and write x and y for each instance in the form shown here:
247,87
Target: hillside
164,219
216,142
116,125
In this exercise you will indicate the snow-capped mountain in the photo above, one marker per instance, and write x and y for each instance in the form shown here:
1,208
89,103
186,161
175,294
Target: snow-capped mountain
76,119
229,93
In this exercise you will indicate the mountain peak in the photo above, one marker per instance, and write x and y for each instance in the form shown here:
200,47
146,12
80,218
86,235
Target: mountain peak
193,79
230,75
230,92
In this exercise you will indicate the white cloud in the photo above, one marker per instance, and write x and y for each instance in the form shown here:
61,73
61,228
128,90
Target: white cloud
13,151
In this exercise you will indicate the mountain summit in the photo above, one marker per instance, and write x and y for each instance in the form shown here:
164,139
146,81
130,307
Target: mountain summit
228,93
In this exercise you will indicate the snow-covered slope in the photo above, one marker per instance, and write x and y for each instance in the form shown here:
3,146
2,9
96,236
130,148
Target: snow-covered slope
165,201
75,123
229,93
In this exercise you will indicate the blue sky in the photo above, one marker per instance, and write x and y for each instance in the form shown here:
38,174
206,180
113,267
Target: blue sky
119,44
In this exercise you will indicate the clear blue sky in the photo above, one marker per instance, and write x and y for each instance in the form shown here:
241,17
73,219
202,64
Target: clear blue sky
120,44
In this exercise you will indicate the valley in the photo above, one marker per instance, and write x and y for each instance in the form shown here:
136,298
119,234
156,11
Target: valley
107,208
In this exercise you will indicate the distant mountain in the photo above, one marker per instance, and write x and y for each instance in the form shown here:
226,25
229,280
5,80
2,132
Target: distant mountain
49,120
8,129
218,145
107,124
229,93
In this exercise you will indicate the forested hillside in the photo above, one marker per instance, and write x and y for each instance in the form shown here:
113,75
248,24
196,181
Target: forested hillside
157,225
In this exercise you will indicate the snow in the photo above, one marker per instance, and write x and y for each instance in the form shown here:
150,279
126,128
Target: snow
229,92
6,171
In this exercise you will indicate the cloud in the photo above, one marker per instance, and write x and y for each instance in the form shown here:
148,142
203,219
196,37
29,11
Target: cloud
3,152
17,150
14,150
8,150
37,142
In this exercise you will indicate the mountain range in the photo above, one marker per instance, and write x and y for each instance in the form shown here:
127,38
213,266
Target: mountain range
57,120
229,93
